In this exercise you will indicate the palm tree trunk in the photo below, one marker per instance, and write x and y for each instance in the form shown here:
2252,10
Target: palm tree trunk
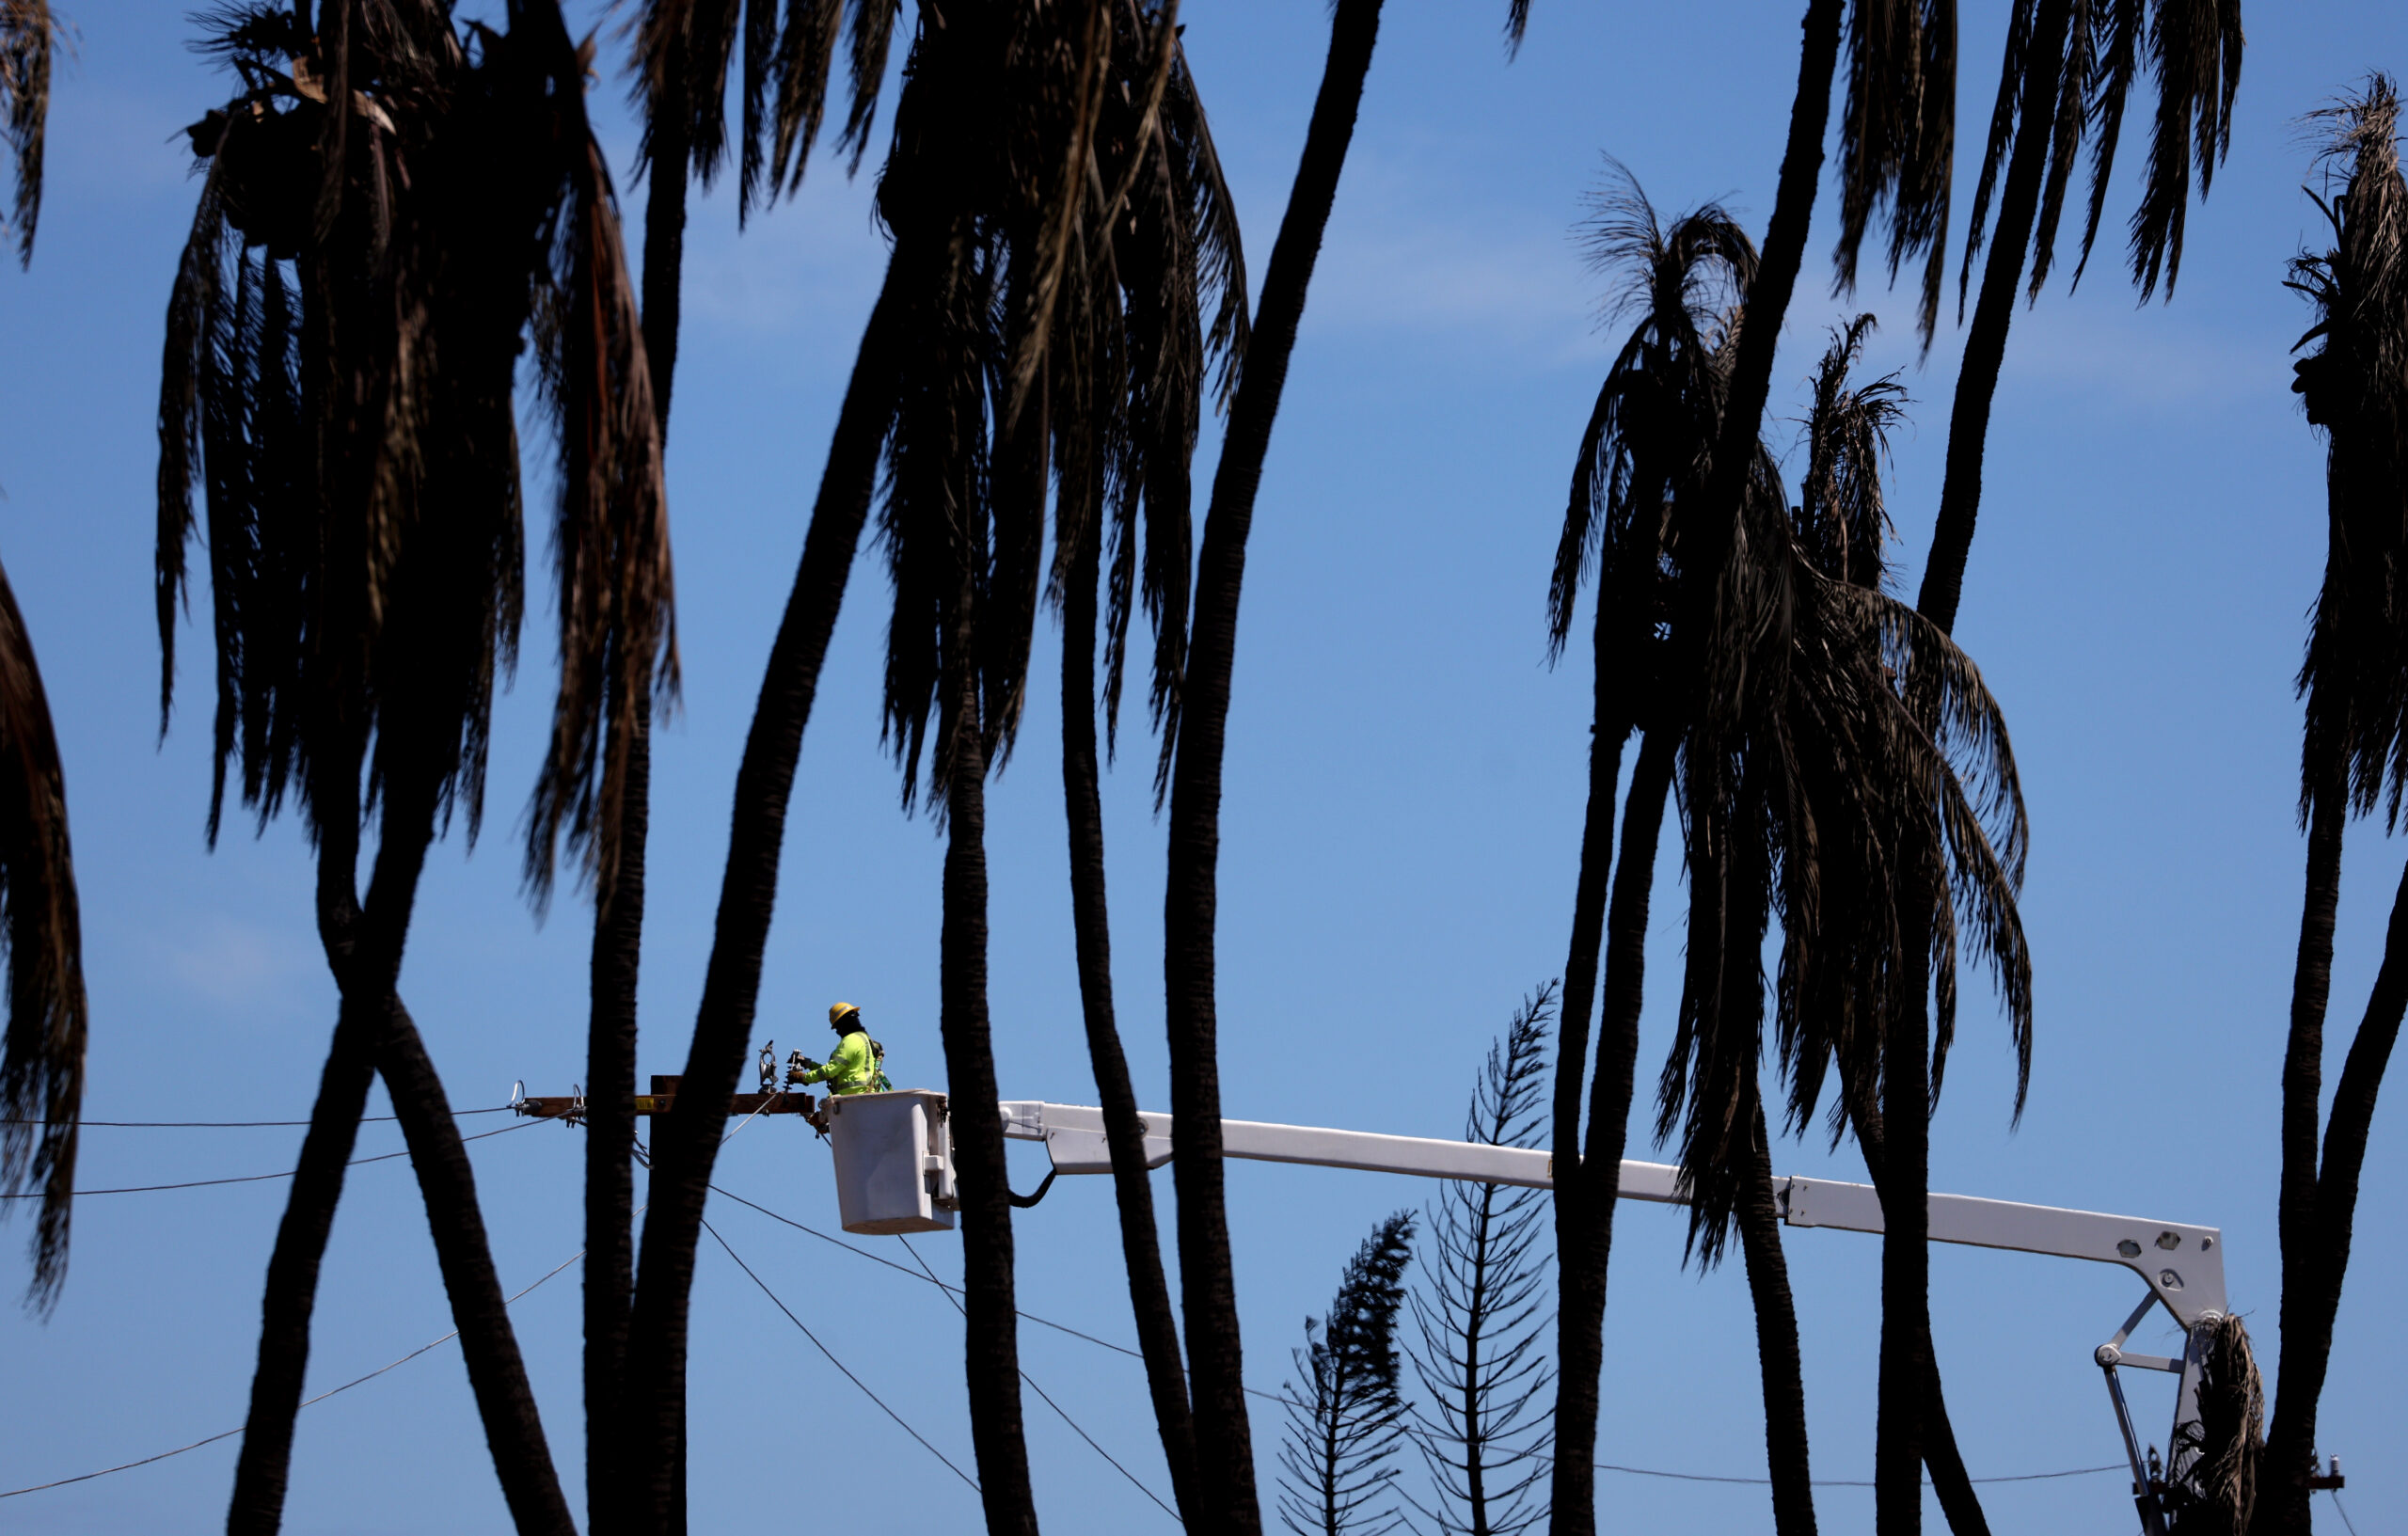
1124,1132
1785,251
664,231
1969,419
1581,1262
2312,1215
1940,1456
618,921
497,1372
1786,1451
1607,734
1906,1253
686,1140
610,1143
1224,1441
991,1323
364,944
263,1468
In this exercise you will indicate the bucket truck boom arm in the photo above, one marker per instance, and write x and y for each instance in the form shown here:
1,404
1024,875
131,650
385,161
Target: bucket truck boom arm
2181,1264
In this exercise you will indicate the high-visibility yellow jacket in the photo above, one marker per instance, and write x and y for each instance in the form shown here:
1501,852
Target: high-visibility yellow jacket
852,1070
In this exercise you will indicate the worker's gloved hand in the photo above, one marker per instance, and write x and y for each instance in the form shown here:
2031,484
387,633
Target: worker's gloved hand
808,1065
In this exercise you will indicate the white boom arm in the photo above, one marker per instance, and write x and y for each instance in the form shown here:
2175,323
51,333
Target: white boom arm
2182,1264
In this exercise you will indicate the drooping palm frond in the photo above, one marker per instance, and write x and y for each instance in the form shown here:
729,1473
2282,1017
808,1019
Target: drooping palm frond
1650,435
1843,524
2194,49
686,50
41,1057
1898,138
1862,789
1122,285
1153,321
27,37
2355,386
344,393
2194,57
610,528
2215,1461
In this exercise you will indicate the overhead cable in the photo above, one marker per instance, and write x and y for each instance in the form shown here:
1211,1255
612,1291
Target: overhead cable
257,1177
1282,1397
321,1397
1041,1393
839,1363
231,1125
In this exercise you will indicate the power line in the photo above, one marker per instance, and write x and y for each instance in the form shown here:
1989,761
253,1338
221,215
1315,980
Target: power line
257,1177
839,1363
1041,1393
321,1397
2353,1525
1282,1397
230,1124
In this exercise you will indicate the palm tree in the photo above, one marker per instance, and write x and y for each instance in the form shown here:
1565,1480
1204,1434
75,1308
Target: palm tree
2355,389
1643,463
683,55
1193,737
2068,72
995,191
365,542
1843,786
1135,375
41,1055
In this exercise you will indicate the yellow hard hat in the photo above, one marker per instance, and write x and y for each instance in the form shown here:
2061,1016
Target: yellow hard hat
837,1011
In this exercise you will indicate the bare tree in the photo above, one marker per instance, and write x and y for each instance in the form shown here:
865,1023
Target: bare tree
1478,1311
1345,1414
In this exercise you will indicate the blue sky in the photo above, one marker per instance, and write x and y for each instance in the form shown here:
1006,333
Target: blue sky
1404,787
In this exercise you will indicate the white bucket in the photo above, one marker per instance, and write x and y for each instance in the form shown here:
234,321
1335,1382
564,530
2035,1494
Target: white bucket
893,1155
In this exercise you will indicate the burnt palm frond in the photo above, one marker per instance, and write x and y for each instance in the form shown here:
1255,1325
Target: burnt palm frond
1650,437
41,1057
2193,50
2355,386
2194,57
1078,289
28,36
355,432
1842,522
685,50
610,528
1898,138
1857,785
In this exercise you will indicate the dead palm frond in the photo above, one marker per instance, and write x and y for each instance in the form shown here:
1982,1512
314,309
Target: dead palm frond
28,36
1863,790
1898,138
1645,454
2193,50
41,1059
685,50
618,648
355,434
1060,329
2355,386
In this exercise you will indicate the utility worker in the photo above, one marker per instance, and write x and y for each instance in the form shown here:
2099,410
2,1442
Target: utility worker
856,1067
